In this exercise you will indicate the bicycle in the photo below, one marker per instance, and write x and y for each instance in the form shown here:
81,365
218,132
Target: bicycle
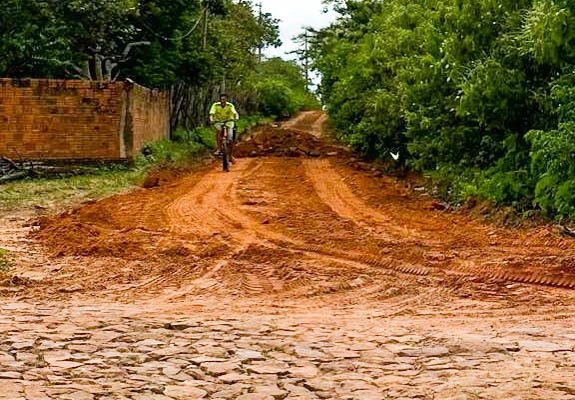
226,142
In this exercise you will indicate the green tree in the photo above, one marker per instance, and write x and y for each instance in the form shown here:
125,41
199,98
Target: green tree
283,88
30,42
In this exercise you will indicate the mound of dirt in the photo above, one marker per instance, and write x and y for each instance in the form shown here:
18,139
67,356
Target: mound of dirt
167,173
90,231
70,237
277,142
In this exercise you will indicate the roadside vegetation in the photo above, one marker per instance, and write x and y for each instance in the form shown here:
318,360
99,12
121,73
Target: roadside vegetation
5,261
479,96
54,192
282,89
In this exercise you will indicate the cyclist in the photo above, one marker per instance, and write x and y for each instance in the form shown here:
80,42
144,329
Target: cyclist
224,111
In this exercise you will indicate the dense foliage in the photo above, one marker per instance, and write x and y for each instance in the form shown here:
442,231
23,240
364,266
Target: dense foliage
479,94
153,42
195,48
283,89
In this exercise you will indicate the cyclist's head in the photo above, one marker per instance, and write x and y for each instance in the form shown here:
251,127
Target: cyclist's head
223,98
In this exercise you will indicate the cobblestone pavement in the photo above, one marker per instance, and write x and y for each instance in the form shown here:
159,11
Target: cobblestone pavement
92,350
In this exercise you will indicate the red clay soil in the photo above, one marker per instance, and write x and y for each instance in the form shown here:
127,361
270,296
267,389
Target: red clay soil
294,227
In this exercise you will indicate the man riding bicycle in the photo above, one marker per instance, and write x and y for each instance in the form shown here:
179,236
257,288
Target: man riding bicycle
222,115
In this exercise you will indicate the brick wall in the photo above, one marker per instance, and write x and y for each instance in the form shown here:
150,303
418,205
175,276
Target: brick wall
150,115
61,120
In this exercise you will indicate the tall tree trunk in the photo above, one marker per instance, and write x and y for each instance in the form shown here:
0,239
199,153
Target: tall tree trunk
86,70
98,61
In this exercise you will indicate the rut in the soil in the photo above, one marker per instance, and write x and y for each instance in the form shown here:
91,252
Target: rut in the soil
292,226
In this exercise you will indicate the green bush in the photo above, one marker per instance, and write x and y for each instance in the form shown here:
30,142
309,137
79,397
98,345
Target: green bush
500,188
276,98
553,166
176,153
282,89
186,144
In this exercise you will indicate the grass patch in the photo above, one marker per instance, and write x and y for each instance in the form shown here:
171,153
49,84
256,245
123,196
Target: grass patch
6,261
49,192
166,153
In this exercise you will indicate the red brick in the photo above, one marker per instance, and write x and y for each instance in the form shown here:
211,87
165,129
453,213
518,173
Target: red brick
57,119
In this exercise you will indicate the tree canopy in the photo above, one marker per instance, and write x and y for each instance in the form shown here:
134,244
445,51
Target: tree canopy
154,42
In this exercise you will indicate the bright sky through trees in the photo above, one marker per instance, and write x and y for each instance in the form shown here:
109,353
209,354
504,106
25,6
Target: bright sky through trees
294,15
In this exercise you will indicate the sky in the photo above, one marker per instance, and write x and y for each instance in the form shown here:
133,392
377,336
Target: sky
294,15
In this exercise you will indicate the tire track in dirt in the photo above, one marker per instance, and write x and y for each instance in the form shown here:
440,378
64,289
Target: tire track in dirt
202,285
291,242
475,245
332,190
202,209
211,208
497,273
308,122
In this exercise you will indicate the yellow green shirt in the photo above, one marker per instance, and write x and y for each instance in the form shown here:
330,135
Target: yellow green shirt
220,113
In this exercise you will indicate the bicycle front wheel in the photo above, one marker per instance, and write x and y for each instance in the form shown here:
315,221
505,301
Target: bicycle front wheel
225,155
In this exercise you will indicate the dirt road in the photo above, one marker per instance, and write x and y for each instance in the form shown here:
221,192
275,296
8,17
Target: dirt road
301,274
